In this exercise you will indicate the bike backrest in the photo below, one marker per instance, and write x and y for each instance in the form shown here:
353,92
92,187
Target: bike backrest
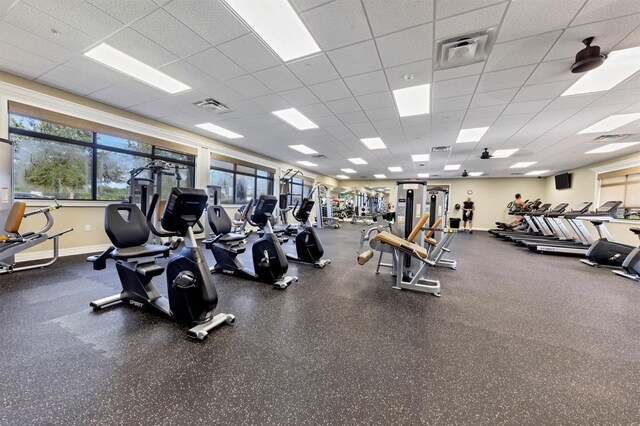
125,225
14,220
304,211
183,209
263,210
219,220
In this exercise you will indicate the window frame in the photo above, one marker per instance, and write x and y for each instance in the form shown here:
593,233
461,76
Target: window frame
95,146
270,178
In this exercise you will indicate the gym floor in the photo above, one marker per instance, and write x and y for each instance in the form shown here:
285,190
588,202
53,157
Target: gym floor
516,338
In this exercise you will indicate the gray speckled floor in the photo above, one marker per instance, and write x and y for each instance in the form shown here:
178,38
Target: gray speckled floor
517,338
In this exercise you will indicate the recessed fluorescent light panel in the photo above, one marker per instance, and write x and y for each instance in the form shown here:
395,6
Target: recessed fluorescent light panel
342,176
612,147
307,163
278,25
476,174
471,135
357,161
611,123
452,167
420,157
303,149
619,65
395,169
379,176
523,164
210,127
374,143
423,175
536,173
132,67
348,170
294,117
413,100
503,153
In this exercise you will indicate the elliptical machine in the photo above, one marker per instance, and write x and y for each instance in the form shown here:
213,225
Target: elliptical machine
192,296
308,245
631,265
269,259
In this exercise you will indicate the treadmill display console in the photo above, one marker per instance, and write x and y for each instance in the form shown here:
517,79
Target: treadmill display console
609,207
582,207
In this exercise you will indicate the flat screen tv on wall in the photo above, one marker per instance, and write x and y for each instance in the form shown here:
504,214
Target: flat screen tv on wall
563,181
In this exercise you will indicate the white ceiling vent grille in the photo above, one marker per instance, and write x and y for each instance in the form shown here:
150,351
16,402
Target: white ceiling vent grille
610,138
465,49
441,149
212,105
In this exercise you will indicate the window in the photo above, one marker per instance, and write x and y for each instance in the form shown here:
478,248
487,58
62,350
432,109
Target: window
239,183
622,185
299,189
60,161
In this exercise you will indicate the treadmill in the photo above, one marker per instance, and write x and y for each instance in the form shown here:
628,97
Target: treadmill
574,247
550,219
532,229
536,227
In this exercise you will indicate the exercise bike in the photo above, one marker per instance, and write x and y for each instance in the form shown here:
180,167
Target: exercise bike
269,260
192,296
15,242
308,245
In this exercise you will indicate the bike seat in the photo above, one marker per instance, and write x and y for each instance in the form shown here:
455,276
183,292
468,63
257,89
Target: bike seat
140,251
229,238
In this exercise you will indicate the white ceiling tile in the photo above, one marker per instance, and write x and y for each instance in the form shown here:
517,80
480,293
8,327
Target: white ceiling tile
353,117
161,2
484,112
362,129
498,97
389,124
452,104
341,106
248,86
542,91
330,90
421,72
382,114
220,92
338,24
364,84
278,78
154,109
25,40
505,79
327,121
525,107
446,8
126,94
505,127
521,52
600,10
216,64
299,97
210,19
375,100
170,33
619,97
455,87
40,23
188,74
548,72
272,102
315,69
140,47
249,52
81,15
527,18
571,102
72,80
470,22
388,16
356,59
303,5
315,110
126,11
96,70
458,72
632,40
414,44
21,62
607,35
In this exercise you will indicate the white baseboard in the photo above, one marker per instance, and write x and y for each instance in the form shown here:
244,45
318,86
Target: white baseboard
73,251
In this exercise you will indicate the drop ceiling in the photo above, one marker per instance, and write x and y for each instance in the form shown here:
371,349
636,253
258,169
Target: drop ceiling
368,48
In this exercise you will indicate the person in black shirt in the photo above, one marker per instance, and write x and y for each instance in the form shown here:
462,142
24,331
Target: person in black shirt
467,214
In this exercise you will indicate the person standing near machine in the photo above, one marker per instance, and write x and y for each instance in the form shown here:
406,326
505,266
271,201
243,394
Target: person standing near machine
467,214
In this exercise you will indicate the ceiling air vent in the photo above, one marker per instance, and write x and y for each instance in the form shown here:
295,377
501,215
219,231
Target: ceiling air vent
319,156
441,149
610,138
213,106
363,177
517,174
464,49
